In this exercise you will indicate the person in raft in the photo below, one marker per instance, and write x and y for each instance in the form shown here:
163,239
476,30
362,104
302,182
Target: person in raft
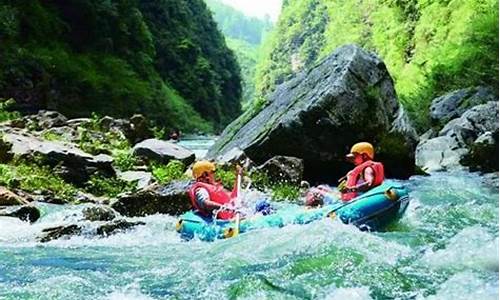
366,174
208,196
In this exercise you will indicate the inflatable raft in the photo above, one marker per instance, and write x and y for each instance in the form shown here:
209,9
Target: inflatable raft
370,211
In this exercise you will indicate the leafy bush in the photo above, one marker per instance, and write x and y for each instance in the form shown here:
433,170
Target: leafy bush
285,192
166,173
108,186
5,114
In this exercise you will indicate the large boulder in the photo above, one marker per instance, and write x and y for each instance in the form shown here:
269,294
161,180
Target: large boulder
318,115
142,178
168,199
283,169
44,119
473,137
454,104
27,213
163,151
74,165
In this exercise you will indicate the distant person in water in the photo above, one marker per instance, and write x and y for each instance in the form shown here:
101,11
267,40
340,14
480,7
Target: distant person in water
208,196
367,173
175,135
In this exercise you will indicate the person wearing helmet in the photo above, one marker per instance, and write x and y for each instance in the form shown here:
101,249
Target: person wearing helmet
208,196
366,175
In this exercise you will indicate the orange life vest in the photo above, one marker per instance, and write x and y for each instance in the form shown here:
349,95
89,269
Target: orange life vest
217,194
354,175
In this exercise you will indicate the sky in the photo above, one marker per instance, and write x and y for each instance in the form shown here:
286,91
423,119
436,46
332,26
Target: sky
257,8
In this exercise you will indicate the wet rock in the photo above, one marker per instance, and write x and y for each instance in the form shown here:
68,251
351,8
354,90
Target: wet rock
318,115
116,226
55,233
465,141
8,198
163,151
82,197
233,157
281,169
25,213
44,119
139,129
99,213
5,153
167,199
142,178
454,104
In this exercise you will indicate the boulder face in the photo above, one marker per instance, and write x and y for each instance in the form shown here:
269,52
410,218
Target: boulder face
318,115
454,104
163,151
168,199
470,140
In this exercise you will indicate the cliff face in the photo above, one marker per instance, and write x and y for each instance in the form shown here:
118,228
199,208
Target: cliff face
430,47
165,59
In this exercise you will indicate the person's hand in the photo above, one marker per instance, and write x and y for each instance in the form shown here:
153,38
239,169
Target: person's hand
239,170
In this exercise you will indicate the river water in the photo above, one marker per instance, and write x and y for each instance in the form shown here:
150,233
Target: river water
445,247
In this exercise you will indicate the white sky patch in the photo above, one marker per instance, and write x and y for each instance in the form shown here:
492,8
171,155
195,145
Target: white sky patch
257,8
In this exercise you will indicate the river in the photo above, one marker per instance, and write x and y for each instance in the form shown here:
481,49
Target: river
445,247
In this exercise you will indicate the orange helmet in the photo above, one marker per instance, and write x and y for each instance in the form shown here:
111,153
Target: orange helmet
362,148
201,167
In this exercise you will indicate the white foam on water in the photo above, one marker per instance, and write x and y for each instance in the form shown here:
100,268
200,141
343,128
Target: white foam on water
474,247
130,292
354,293
466,286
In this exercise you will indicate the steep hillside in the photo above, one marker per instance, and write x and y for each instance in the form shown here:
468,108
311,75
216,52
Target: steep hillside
244,36
165,59
429,46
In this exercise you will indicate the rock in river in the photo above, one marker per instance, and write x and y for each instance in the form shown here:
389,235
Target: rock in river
318,115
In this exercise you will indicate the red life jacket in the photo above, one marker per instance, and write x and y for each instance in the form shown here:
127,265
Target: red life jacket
354,175
217,194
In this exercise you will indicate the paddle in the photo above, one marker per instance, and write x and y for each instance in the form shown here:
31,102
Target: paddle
238,189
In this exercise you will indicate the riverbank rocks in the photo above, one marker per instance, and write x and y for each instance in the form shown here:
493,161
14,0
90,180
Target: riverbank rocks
163,151
454,104
318,115
142,178
44,119
469,140
74,165
283,169
27,213
163,199
8,198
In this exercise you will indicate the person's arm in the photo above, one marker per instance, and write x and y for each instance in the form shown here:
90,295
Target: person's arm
369,177
203,199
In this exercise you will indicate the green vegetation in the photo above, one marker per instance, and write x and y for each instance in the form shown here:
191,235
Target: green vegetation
244,36
5,113
430,47
236,25
166,173
32,177
108,186
165,59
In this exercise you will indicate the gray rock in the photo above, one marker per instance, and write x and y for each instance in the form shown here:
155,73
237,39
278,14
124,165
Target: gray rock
163,151
318,115
454,104
116,226
460,142
168,199
284,169
99,213
76,165
142,178
58,232
25,213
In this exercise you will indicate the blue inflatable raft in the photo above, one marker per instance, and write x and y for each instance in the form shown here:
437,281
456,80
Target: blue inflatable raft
370,211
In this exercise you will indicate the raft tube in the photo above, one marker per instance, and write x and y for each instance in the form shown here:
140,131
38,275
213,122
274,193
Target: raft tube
370,211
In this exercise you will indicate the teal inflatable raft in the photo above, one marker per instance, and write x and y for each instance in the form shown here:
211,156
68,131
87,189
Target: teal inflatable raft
370,211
